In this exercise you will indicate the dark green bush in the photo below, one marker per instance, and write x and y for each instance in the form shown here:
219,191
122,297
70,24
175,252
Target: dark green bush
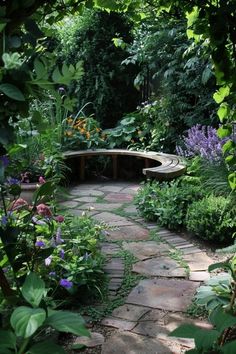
167,202
212,218
106,83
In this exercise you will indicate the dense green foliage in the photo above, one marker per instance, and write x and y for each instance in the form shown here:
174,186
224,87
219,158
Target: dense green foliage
167,202
181,81
106,84
212,218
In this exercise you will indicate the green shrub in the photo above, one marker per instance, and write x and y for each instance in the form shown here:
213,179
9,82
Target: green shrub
212,218
167,202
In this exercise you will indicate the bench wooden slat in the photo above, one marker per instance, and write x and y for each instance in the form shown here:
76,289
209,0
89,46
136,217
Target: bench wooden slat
170,166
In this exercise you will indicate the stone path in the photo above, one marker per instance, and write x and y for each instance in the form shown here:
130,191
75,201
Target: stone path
170,269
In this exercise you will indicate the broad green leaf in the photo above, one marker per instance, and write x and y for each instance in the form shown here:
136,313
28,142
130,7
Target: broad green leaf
12,91
232,180
221,265
221,319
56,75
185,331
230,160
40,69
229,348
45,189
205,339
2,26
33,289
69,322
25,320
207,73
223,111
46,347
7,340
229,145
220,95
224,131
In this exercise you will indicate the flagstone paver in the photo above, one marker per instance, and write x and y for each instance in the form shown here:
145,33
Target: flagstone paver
156,305
68,204
119,197
162,267
131,233
86,193
146,249
166,294
100,206
130,343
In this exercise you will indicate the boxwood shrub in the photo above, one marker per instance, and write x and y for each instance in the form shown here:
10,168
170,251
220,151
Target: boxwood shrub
212,218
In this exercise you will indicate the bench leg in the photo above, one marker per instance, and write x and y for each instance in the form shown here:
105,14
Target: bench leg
82,168
147,164
114,164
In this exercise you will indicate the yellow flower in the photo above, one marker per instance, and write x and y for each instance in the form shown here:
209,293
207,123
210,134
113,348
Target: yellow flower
87,135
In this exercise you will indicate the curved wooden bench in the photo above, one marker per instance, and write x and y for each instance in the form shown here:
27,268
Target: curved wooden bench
170,166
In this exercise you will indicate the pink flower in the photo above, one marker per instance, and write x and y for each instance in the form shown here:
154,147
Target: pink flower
18,204
41,180
44,210
59,218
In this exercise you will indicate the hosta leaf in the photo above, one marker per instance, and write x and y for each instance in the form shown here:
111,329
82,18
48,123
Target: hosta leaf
46,347
33,289
185,331
221,319
26,320
69,322
7,340
205,340
229,348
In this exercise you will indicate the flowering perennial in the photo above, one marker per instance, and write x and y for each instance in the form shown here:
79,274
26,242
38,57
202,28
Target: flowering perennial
202,141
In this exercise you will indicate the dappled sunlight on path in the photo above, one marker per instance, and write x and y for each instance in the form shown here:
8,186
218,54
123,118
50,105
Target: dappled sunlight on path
167,268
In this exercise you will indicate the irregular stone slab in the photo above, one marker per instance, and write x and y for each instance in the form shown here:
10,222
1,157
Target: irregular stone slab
130,190
146,249
149,329
132,233
77,212
86,199
112,219
130,343
119,197
68,204
154,316
162,267
130,312
86,192
100,206
111,188
131,209
87,186
199,276
165,294
198,261
118,323
95,340
109,248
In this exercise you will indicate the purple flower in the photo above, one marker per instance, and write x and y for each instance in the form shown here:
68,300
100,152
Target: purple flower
39,244
4,220
5,160
48,261
202,141
62,254
12,181
66,283
52,274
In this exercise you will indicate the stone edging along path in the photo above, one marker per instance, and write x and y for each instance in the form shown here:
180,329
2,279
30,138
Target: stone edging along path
171,268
